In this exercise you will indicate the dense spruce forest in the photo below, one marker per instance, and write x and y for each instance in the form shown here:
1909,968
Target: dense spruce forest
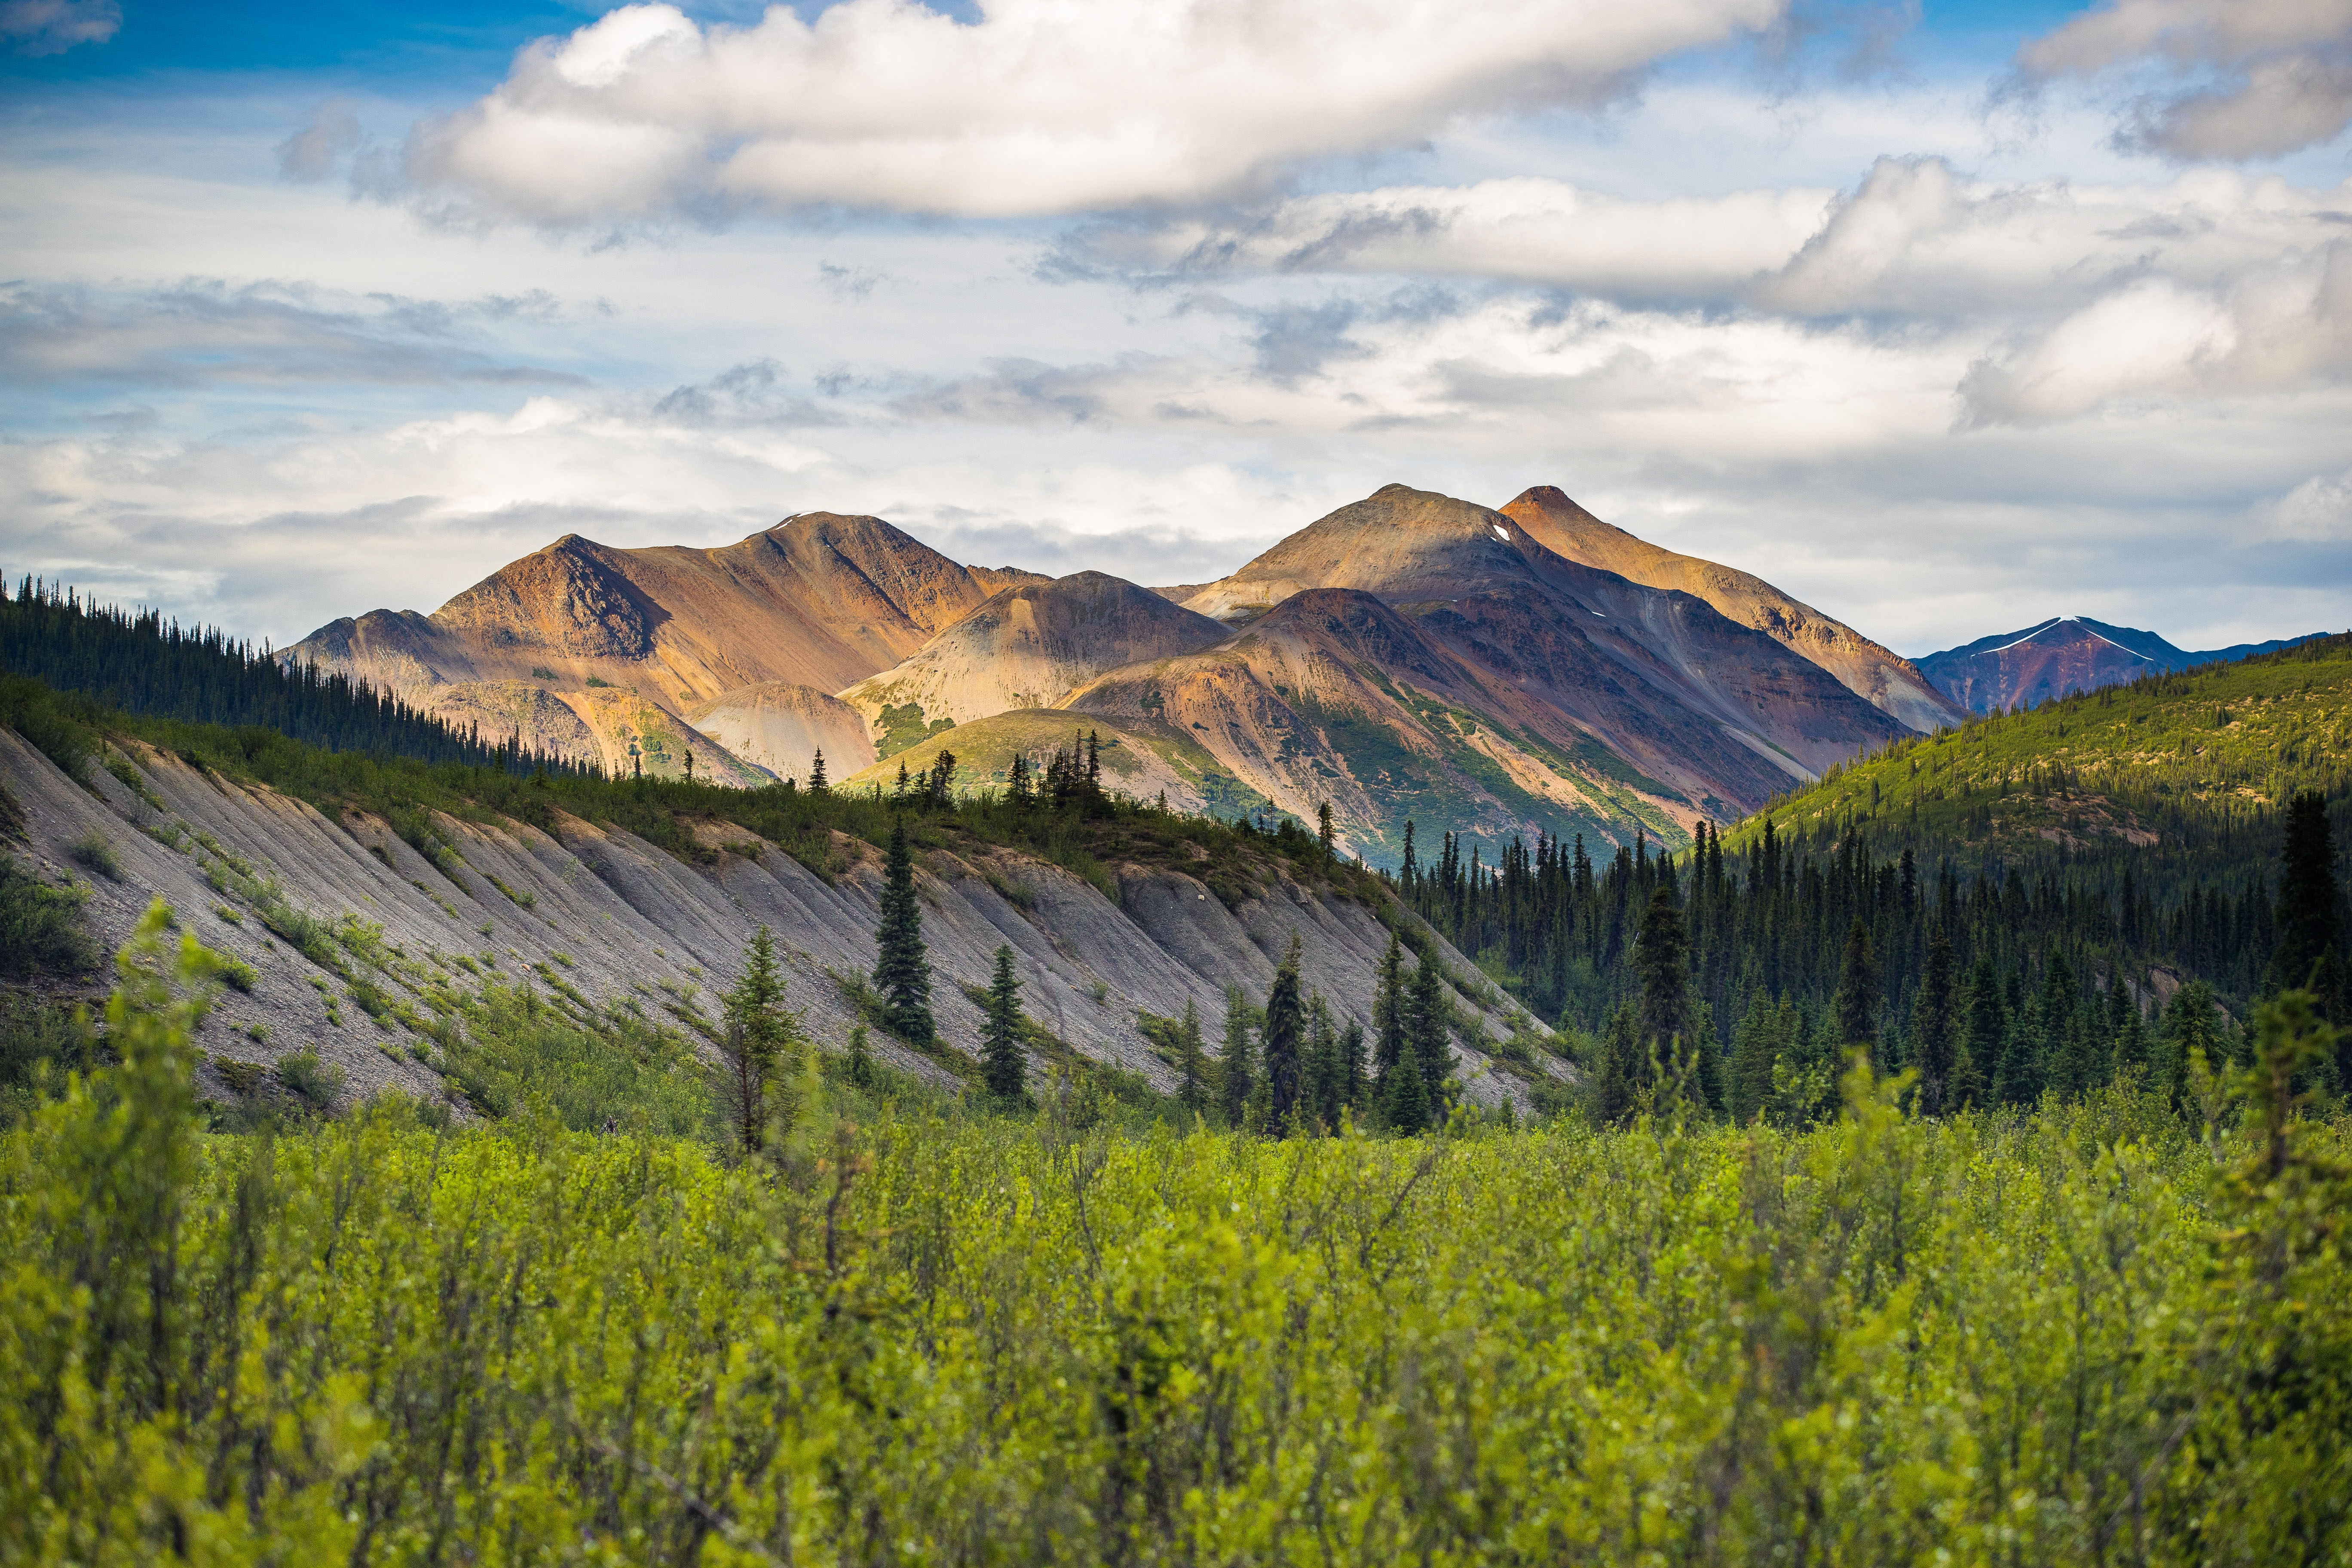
2050,880
140,663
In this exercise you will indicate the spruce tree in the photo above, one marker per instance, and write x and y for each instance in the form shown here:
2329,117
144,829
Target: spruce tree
1353,1086
757,1042
1936,1029
1623,1072
902,968
1284,1034
1002,1068
1428,1043
1389,1010
1404,1098
1325,1094
817,772
2192,1031
1754,1045
2309,902
1235,1078
1323,832
1662,965
1192,1089
1858,993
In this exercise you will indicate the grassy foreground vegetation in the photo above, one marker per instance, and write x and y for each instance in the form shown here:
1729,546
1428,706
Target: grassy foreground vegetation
2094,1332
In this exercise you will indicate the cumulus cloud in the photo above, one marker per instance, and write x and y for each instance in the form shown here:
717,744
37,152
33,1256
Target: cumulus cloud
53,26
2246,79
201,332
2277,328
1040,107
2319,511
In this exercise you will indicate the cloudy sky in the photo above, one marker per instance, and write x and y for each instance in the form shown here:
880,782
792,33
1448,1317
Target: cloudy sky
1944,317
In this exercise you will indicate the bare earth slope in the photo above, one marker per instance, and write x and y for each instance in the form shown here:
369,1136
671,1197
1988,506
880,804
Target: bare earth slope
781,726
1880,676
596,911
1029,647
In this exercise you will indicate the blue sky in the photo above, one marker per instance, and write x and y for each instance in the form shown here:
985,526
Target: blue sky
1944,319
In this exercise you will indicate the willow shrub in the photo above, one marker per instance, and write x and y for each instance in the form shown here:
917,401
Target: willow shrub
2085,1336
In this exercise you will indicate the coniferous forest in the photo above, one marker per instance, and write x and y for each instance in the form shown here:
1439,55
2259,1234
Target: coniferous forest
1946,1165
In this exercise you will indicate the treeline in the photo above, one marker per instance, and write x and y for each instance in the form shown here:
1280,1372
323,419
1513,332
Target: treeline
1767,964
140,663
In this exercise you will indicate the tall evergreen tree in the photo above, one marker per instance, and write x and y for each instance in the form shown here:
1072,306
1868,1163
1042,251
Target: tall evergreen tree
1235,1078
1326,1092
1353,1086
817,783
1428,1040
1389,1009
1754,1045
2310,919
1192,1089
1935,1028
1404,1096
1662,965
1858,993
1002,1068
1285,1042
902,966
1623,1070
2191,1032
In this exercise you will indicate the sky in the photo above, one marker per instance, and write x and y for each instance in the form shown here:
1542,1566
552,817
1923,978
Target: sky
1944,318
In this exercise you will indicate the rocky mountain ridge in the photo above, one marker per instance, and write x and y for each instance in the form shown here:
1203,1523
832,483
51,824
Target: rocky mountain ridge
2063,655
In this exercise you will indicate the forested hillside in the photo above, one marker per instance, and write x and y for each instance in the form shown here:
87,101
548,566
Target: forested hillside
2120,852
141,664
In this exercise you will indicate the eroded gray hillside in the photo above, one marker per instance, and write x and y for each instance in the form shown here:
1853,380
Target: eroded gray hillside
617,919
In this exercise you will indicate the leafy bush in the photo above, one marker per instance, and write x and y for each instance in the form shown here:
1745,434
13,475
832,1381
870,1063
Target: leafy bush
95,851
41,930
317,1084
513,1048
2087,1334
40,1043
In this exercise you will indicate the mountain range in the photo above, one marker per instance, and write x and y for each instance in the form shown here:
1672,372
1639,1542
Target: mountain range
1409,657
2063,655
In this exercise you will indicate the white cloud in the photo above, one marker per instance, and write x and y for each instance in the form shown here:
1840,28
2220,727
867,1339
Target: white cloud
53,26
1526,230
1041,107
2318,510
311,153
2251,78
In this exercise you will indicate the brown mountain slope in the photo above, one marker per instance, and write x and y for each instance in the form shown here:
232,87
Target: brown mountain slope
1883,677
820,600
1628,661
1028,648
1334,695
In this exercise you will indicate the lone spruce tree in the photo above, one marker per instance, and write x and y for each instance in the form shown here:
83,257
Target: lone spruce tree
902,968
1001,1067
1285,1035
759,1043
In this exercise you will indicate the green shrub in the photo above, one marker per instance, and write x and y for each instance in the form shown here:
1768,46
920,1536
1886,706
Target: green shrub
317,1084
95,851
40,1043
41,927
514,1048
